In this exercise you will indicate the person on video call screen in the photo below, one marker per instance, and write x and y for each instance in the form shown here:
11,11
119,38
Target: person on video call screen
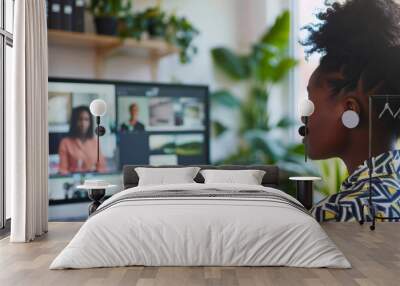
78,151
133,124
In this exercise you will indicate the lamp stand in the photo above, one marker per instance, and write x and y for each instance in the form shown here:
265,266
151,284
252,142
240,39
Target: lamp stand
98,139
303,131
305,138
100,131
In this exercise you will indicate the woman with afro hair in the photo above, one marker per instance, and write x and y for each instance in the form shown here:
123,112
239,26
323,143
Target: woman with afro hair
359,44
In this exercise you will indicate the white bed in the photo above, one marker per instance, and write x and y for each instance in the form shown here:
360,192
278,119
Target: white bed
202,231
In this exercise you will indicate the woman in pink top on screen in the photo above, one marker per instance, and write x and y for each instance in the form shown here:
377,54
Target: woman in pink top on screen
78,151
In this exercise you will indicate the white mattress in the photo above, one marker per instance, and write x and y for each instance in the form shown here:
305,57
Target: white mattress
202,232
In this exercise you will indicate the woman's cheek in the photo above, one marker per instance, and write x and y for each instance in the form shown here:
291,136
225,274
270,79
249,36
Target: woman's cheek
318,137
325,135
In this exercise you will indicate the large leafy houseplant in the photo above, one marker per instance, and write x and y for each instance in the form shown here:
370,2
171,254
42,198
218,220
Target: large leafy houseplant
264,66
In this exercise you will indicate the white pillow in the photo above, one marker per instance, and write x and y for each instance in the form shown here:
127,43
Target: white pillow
248,177
166,176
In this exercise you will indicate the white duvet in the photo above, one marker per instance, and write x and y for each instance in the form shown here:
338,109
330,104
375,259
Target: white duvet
203,232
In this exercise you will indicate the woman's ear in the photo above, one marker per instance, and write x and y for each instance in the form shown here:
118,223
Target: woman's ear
351,103
351,113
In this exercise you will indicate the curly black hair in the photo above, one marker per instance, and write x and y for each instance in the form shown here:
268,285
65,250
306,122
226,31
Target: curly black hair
361,40
73,126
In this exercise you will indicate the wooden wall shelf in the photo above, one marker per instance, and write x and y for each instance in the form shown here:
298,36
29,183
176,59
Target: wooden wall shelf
105,46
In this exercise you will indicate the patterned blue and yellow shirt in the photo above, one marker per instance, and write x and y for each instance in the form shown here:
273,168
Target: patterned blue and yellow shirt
347,205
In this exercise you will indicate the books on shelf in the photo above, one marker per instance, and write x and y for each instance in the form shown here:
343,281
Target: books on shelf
55,11
47,13
79,16
66,15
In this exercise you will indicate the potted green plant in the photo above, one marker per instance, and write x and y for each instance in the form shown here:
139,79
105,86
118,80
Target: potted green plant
155,23
107,14
181,33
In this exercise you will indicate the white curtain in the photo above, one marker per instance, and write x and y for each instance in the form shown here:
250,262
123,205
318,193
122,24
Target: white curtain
26,124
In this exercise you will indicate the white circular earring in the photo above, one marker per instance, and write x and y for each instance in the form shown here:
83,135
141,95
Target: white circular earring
350,119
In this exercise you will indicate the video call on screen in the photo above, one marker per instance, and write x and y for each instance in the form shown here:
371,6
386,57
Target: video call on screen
145,124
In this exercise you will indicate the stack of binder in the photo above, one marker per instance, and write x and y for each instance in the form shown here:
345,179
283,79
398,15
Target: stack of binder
79,16
67,15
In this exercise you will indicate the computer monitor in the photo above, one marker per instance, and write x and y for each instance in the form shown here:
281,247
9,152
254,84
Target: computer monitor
146,123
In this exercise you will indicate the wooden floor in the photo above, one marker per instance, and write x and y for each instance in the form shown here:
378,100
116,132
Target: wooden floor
375,257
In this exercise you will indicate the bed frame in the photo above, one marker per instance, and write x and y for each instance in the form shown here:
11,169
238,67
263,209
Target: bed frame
270,179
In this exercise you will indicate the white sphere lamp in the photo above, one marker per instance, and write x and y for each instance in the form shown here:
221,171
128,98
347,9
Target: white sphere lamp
306,107
98,107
